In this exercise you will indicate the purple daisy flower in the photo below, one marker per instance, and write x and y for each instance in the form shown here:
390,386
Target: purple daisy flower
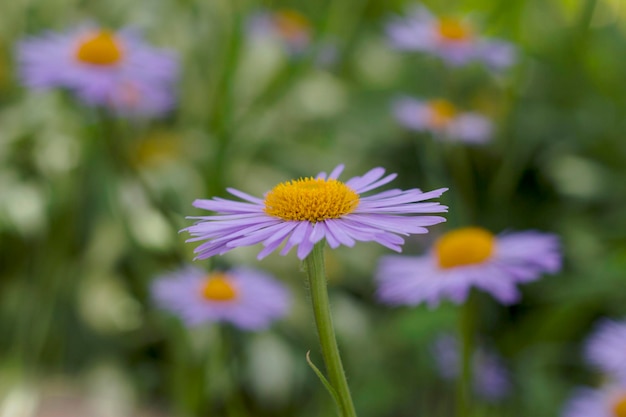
608,401
289,27
247,298
451,39
491,379
305,211
465,258
606,348
293,32
114,70
442,118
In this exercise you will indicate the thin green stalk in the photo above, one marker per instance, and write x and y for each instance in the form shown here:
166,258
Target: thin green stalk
462,176
221,122
229,353
586,16
467,328
321,310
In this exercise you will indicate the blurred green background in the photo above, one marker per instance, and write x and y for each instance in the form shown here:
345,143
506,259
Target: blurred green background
90,206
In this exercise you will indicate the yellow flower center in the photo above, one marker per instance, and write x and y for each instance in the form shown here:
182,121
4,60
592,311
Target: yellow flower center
441,112
218,287
100,48
453,29
619,408
466,246
291,24
312,199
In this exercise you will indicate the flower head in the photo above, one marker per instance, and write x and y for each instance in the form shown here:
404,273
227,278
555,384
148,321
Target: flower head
608,401
466,258
305,211
114,70
491,379
606,349
443,119
289,27
453,40
247,298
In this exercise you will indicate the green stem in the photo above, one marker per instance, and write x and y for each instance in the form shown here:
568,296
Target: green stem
467,325
321,310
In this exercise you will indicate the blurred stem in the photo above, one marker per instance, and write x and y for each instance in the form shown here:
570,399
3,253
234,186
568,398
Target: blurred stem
467,328
431,162
586,16
314,264
187,377
221,121
228,353
430,156
462,184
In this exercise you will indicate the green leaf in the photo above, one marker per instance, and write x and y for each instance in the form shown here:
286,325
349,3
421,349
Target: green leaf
322,378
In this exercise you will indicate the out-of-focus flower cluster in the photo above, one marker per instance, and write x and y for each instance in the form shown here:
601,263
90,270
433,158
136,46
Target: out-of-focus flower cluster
456,42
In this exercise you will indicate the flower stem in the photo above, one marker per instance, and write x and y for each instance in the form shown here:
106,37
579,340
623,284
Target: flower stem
321,310
467,324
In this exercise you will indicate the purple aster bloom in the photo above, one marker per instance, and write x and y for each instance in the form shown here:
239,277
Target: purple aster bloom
608,401
441,118
451,39
606,348
491,379
289,27
114,70
293,32
465,258
247,298
303,212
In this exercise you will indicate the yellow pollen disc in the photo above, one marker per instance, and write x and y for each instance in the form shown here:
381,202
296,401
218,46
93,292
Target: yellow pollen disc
441,112
311,199
217,287
466,246
291,24
100,48
619,408
453,29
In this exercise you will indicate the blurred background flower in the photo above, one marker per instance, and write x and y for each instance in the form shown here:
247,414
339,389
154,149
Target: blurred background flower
491,380
604,349
608,401
452,39
466,258
248,298
443,120
289,27
114,70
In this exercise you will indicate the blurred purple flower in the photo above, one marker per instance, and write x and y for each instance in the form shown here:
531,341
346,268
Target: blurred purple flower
306,211
607,401
451,39
289,27
606,349
114,70
249,299
293,31
442,118
491,379
465,258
